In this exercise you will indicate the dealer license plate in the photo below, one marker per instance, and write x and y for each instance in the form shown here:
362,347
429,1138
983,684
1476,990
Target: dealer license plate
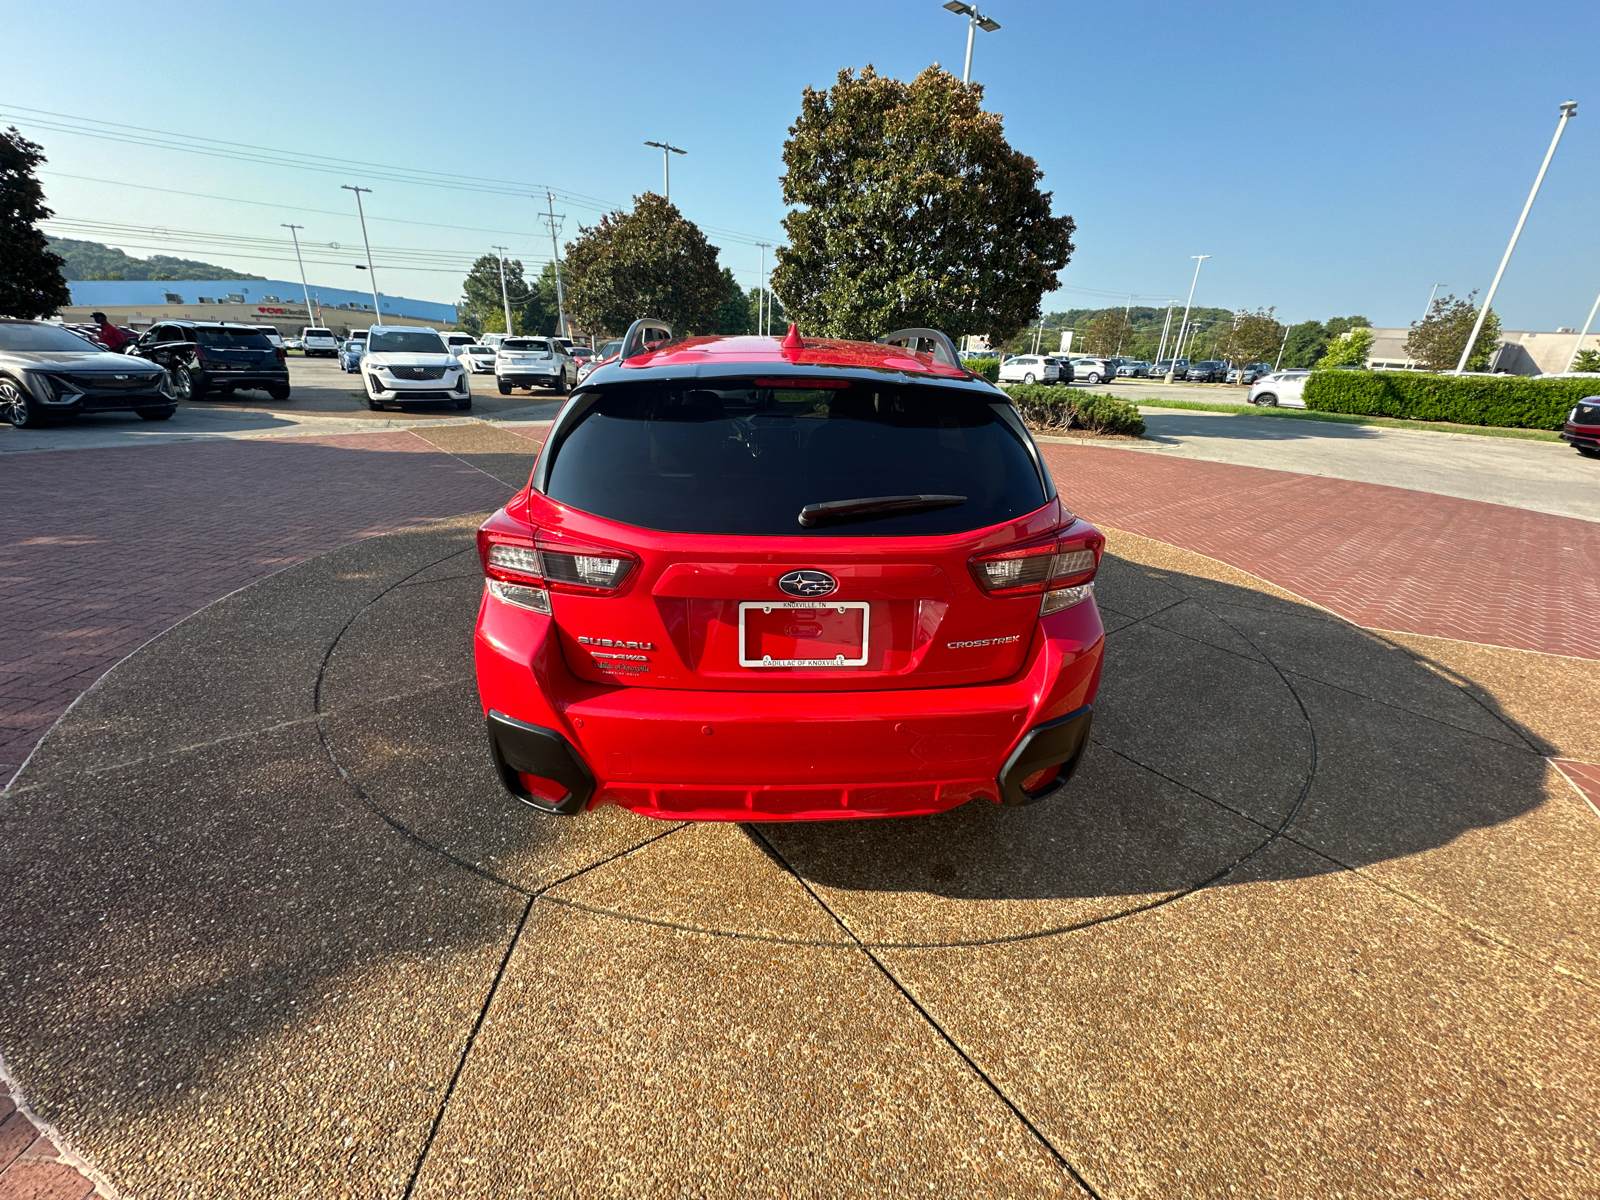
803,633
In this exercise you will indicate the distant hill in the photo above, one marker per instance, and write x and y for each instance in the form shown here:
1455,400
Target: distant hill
91,260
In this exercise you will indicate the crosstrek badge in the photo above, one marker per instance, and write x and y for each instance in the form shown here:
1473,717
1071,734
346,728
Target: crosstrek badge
999,641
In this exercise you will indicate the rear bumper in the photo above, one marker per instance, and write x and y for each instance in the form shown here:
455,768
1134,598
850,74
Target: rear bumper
523,379
749,756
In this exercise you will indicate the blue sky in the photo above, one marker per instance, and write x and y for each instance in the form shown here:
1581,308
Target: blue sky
1332,160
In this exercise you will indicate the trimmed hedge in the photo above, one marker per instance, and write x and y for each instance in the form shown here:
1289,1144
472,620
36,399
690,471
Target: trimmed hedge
988,368
1509,401
1052,408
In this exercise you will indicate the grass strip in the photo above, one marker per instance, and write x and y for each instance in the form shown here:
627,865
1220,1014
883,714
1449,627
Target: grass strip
1298,414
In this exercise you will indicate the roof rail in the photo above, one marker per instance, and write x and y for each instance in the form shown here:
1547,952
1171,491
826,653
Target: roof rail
644,335
939,344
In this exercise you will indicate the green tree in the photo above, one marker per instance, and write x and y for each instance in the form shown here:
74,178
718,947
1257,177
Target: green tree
1587,360
1437,340
734,314
1308,341
650,262
481,308
1106,334
1253,337
1350,349
909,208
31,282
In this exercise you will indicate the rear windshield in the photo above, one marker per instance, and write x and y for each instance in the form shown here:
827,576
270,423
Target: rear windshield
538,344
233,339
405,341
740,459
317,333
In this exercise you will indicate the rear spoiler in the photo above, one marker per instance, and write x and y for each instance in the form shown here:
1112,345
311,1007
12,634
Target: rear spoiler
937,344
644,335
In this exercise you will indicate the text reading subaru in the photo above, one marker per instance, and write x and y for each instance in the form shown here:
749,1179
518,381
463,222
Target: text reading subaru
796,579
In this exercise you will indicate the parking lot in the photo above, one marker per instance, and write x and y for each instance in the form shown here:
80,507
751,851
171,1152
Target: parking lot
1315,918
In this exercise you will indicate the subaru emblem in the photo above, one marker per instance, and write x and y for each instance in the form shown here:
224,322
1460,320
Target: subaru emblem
121,376
808,584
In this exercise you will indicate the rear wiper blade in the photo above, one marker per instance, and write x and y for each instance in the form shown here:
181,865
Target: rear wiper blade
868,508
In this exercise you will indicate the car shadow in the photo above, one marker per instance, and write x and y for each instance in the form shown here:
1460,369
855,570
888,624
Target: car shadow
1171,428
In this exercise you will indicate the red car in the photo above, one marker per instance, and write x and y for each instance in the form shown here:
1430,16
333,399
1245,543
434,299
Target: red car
796,579
1583,427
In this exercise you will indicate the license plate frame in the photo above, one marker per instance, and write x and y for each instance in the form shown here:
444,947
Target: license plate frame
840,606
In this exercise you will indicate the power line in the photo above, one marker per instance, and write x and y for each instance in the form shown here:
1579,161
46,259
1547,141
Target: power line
302,161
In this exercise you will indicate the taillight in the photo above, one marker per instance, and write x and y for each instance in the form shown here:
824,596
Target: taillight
524,569
1061,569
282,357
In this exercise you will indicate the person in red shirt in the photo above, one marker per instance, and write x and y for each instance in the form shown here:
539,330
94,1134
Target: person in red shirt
110,336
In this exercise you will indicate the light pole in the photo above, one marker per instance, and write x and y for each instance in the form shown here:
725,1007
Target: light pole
1569,109
504,297
377,307
555,253
666,165
1166,326
1578,345
305,287
1431,295
1199,261
761,291
1283,347
975,21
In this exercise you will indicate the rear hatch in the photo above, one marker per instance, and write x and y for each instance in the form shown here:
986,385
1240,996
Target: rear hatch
530,354
671,512
237,350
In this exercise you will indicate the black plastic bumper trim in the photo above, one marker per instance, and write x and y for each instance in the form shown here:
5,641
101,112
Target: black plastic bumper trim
1059,741
534,750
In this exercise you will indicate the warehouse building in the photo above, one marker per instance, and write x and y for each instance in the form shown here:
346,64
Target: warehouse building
137,304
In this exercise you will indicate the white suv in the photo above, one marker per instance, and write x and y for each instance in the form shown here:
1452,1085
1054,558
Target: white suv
408,363
530,362
1029,368
1281,389
315,340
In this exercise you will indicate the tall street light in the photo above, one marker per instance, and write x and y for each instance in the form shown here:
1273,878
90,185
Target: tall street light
762,307
666,166
303,285
505,297
975,21
1568,110
377,308
1578,345
1199,261
1431,295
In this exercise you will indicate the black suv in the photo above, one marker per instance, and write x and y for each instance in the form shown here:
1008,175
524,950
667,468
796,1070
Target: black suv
1209,371
1063,368
214,356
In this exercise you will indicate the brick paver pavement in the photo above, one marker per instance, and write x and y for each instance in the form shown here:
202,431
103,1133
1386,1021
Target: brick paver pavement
100,550
1384,557
31,1167
1585,777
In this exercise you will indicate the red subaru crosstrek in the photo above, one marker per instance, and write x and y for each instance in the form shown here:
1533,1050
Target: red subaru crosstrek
797,579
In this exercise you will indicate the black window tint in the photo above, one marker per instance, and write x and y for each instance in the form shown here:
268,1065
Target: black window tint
736,459
233,339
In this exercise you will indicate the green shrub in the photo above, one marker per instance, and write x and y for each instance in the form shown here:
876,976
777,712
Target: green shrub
1510,401
1053,408
989,368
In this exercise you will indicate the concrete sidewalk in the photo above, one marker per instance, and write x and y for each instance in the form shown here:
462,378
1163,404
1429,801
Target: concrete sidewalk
1313,919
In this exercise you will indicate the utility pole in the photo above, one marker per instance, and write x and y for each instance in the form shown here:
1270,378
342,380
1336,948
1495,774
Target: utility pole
305,287
504,297
666,166
1283,347
1200,260
377,308
555,253
1121,333
1568,110
762,311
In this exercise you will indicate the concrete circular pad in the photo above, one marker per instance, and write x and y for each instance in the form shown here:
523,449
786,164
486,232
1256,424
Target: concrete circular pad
276,927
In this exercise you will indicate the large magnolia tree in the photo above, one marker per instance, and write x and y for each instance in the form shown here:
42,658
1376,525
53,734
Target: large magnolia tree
911,209
1437,340
31,283
650,262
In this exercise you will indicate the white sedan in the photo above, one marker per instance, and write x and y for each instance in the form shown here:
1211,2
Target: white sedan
1281,389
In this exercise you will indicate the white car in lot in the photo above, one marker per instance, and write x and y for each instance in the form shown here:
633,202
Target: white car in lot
530,362
1029,368
477,359
315,340
1281,389
458,341
405,364
1093,370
